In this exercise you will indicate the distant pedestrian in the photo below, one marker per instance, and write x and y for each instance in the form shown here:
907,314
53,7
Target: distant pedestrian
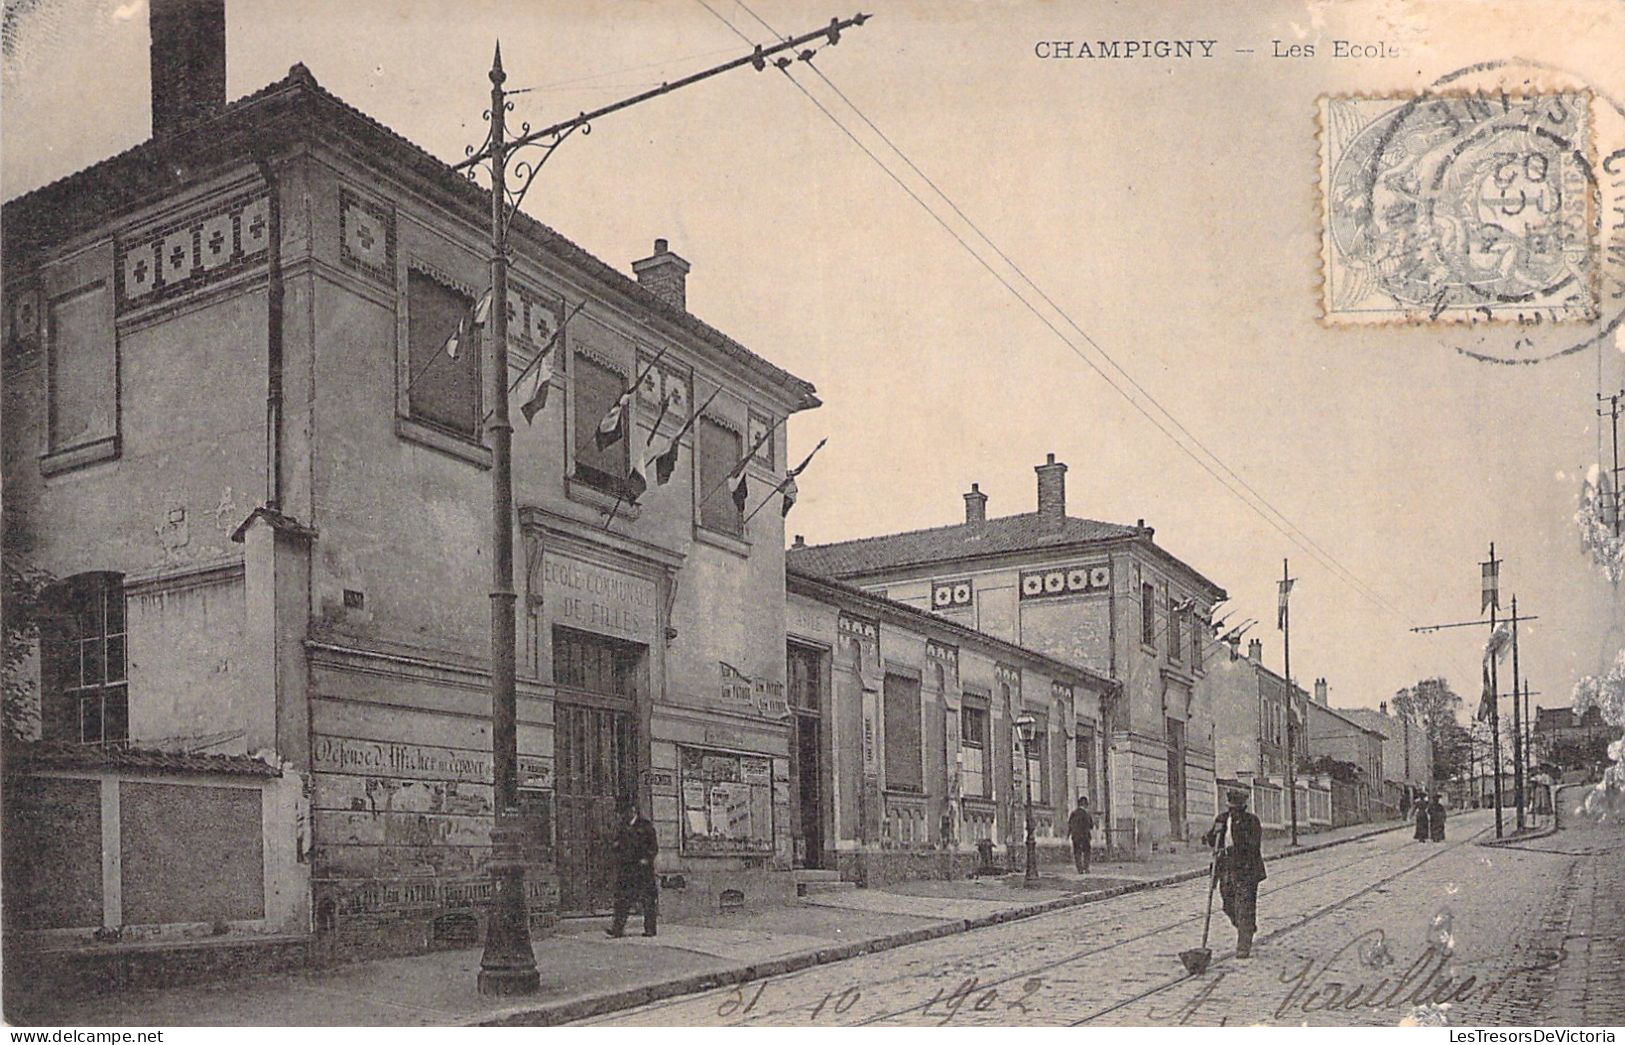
1436,819
1080,826
635,848
1239,863
1421,819
1405,805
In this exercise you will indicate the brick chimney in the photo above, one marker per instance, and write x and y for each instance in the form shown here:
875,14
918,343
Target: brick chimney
665,275
1321,697
1255,651
1382,709
800,542
975,505
1051,488
188,62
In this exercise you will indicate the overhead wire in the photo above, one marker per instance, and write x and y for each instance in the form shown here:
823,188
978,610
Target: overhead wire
1252,498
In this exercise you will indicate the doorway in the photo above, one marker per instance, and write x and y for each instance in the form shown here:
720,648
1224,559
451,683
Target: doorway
805,675
1176,778
596,759
808,794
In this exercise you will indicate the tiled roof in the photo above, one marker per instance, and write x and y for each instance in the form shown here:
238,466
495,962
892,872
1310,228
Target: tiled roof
157,167
1011,533
38,755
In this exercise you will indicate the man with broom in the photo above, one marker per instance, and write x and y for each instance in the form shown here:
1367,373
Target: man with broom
1236,837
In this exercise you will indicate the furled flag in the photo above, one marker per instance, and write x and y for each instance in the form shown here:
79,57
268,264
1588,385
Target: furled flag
1486,703
788,487
533,390
465,325
613,424
1500,641
738,483
637,475
1284,589
1491,572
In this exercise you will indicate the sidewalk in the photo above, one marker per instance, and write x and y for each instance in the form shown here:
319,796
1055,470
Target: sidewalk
585,973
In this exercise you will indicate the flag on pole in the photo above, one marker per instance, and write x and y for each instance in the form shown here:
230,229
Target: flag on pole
1500,641
738,482
1284,588
467,325
613,424
637,479
533,390
1486,703
788,487
1491,575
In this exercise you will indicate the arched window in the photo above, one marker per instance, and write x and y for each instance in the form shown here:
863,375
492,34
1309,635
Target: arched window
941,678
83,693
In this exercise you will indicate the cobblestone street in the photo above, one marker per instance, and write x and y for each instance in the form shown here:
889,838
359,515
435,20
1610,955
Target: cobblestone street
1364,933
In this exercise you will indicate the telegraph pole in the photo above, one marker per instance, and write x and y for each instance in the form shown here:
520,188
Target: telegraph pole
1517,721
1291,697
1616,507
508,965
1494,565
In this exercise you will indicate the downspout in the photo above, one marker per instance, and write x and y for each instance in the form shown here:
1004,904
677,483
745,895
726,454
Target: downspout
1108,716
273,336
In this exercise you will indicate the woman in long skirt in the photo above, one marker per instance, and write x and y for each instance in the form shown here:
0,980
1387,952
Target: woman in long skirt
1421,820
1436,819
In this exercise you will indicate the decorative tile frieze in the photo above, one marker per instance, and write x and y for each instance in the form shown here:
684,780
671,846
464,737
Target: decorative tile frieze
192,251
1081,579
367,236
951,595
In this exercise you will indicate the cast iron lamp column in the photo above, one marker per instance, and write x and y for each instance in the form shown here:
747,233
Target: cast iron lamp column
1025,725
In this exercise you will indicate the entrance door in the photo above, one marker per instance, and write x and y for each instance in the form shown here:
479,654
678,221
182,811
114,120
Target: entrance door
596,762
808,795
1176,777
596,758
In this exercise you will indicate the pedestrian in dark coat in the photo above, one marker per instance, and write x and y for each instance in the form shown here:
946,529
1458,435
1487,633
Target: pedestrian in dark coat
1421,834
1079,827
1237,838
635,848
1436,819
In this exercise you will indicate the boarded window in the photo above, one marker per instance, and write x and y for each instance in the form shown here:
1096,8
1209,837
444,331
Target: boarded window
84,698
444,391
973,737
597,387
83,369
1148,615
902,699
720,450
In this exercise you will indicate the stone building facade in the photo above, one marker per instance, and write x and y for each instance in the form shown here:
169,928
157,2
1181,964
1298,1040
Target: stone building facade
1098,595
912,719
233,429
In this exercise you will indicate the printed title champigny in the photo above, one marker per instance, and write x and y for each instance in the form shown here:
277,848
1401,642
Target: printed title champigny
1124,48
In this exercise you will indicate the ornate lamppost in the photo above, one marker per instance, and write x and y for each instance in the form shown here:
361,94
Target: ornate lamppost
1025,725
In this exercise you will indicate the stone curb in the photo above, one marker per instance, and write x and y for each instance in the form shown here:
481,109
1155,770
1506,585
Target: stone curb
1515,839
569,1010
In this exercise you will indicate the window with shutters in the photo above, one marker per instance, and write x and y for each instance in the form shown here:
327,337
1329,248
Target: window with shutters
82,370
720,449
84,695
973,777
1148,615
804,671
902,724
597,388
444,389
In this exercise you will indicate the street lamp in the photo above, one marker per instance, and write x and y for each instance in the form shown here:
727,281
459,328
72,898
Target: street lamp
1026,724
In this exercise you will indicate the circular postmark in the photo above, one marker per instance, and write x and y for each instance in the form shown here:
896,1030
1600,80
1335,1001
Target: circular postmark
1490,205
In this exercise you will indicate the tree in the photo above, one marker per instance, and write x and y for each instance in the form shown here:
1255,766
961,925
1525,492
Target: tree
20,608
1452,754
1430,705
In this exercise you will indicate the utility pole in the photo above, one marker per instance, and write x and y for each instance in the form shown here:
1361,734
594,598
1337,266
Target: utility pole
1494,572
508,965
1615,508
1517,721
1291,697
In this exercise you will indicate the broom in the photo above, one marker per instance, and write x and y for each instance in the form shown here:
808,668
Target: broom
1196,959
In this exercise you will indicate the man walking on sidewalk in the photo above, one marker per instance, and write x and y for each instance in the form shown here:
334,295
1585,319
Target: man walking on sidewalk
635,848
1080,826
1240,867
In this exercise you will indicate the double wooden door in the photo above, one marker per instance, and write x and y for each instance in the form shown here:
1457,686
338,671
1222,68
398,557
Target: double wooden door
595,763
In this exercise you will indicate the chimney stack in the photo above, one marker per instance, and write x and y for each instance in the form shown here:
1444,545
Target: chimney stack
1320,693
188,62
800,542
1255,651
975,506
1382,709
665,275
1051,488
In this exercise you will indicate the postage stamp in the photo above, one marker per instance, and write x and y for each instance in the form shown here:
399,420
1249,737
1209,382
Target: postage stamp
1458,208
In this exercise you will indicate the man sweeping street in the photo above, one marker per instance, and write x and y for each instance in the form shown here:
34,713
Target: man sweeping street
1236,836
1080,826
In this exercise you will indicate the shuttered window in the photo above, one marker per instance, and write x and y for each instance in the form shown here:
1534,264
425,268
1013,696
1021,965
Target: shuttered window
973,764
902,700
720,450
444,391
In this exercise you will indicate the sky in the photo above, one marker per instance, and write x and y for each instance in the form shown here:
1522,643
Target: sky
1167,207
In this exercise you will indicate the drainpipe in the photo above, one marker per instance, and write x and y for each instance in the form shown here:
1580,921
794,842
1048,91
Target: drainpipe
273,336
